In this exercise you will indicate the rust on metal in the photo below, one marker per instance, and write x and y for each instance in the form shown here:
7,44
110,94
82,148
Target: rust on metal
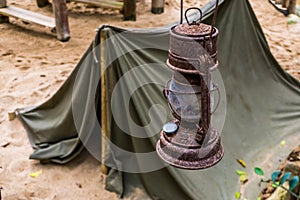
192,56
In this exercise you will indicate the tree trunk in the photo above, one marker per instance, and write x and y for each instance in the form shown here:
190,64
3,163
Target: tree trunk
292,7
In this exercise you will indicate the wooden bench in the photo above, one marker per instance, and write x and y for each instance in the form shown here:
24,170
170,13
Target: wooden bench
60,20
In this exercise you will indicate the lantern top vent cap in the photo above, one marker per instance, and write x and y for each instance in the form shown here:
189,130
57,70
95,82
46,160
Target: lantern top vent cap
196,29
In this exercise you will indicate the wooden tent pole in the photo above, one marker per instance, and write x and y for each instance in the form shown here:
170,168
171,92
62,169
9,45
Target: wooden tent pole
61,19
104,123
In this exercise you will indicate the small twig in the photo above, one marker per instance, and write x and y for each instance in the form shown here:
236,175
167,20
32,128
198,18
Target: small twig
292,193
265,181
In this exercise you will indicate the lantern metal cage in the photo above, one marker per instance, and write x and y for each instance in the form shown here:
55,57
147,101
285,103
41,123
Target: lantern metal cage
189,141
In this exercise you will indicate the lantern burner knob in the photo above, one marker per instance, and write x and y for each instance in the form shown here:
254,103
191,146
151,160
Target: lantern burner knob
170,128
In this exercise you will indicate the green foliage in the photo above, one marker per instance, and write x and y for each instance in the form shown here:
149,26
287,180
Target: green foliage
285,177
275,175
258,171
275,184
293,182
237,195
243,178
240,173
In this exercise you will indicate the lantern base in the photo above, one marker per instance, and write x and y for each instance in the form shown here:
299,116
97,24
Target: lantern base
181,149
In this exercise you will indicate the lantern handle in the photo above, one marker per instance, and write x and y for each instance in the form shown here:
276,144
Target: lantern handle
214,19
181,11
216,88
193,22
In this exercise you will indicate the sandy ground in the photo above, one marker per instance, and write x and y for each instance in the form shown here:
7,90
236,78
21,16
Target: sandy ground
33,64
283,39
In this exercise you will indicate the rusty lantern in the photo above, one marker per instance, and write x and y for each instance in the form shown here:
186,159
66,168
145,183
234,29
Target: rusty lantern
189,141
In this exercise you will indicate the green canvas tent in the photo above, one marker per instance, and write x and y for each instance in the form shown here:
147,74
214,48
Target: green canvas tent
107,100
